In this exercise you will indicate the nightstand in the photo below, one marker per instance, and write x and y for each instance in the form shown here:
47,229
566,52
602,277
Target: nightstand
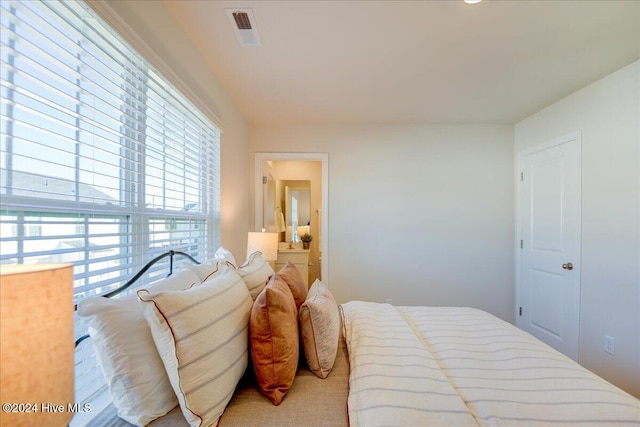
298,257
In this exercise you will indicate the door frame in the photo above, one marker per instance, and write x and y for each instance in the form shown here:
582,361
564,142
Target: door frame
293,156
574,136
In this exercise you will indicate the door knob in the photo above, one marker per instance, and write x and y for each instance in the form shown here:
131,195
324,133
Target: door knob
567,266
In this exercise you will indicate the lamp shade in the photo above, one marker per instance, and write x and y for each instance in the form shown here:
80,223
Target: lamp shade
36,336
267,243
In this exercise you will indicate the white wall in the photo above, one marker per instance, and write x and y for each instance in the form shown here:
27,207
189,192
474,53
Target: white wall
151,21
608,115
421,214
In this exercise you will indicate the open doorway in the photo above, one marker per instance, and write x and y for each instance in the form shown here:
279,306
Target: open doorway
279,179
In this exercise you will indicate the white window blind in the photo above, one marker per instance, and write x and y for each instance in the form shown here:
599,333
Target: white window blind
103,163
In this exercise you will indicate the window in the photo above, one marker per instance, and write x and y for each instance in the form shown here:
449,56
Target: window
103,163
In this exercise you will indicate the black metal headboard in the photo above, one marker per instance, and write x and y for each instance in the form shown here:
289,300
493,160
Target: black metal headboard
139,274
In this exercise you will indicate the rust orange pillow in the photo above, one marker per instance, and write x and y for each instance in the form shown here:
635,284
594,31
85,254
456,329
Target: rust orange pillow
292,277
273,333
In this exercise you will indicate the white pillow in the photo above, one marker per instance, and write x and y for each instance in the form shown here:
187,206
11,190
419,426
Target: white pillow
224,255
202,337
207,270
256,273
134,372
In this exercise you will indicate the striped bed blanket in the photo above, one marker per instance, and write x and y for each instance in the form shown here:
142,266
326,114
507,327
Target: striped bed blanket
443,366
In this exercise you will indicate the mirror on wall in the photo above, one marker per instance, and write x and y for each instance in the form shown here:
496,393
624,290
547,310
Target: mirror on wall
288,208
297,202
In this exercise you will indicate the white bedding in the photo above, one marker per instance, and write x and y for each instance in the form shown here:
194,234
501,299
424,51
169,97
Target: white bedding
433,366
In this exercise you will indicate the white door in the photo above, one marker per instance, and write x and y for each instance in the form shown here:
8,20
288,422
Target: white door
549,201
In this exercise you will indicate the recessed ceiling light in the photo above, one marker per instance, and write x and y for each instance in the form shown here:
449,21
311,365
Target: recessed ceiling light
472,1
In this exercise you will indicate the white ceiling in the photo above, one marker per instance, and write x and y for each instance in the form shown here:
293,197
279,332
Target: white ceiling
410,61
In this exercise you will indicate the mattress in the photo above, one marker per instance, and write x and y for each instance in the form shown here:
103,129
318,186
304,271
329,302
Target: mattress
463,366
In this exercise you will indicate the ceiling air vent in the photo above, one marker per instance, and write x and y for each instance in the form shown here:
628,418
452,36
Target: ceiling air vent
244,25
242,20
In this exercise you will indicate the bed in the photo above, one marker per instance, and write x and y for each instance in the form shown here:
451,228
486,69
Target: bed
311,401
462,366
391,365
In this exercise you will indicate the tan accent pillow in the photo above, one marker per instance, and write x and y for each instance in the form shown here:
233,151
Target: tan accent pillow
320,329
256,273
292,277
273,333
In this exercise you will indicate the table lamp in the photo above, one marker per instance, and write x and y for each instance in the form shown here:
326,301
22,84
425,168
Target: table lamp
267,243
